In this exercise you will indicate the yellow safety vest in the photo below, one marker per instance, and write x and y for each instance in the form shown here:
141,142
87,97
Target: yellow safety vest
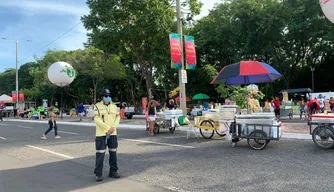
105,117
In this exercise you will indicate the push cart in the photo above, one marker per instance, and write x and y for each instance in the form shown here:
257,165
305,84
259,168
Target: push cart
257,135
286,112
166,120
162,123
322,130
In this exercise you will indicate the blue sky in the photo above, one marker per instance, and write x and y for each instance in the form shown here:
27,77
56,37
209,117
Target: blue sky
36,23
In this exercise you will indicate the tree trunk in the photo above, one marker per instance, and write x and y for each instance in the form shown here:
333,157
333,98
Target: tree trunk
149,77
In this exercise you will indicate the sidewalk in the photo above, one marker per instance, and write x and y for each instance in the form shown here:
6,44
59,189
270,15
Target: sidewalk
291,130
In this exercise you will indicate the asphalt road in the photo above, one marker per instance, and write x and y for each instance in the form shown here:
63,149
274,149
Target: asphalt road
166,162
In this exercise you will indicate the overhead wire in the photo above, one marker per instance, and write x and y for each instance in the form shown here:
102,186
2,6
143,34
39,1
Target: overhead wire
51,42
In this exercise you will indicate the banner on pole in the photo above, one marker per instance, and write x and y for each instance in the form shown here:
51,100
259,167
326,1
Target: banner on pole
175,50
14,96
190,52
20,96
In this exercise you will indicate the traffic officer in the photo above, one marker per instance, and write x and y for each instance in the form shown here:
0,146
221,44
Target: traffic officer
107,119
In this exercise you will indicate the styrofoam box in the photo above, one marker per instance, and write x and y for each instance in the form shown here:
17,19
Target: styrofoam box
236,107
173,113
227,114
210,114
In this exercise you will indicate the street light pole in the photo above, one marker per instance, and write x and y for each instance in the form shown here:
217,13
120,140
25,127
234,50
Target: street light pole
17,76
312,70
181,85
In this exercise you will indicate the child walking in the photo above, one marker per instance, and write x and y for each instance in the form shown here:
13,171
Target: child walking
52,124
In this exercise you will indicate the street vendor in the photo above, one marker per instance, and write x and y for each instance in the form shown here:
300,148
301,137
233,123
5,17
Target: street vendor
170,102
277,107
254,104
313,106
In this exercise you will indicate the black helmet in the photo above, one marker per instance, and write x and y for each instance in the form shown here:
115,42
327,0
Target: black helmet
105,92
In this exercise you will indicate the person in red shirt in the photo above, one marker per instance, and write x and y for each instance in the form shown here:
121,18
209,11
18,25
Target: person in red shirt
313,106
331,104
277,106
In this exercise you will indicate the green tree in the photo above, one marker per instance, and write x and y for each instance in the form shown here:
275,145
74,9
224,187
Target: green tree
138,29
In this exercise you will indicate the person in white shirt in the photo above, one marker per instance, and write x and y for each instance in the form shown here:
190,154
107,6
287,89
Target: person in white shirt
321,101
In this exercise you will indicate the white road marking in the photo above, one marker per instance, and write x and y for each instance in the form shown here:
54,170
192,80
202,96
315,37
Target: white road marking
68,132
3,138
167,144
24,127
48,151
175,189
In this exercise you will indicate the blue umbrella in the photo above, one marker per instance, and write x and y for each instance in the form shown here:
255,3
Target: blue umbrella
246,72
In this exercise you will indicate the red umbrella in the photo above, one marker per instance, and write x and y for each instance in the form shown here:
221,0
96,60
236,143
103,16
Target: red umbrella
178,98
246,72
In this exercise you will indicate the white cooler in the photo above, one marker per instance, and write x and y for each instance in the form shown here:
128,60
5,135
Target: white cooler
173,115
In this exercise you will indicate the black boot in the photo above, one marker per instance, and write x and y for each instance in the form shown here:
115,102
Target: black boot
98,178
114,174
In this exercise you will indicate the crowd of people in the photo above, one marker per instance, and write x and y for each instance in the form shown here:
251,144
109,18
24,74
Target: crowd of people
307,107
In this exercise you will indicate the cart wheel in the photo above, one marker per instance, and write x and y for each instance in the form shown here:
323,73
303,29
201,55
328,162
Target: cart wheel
205,132
172,129
323,136
220,134
257,140
290,115
156,128
233,144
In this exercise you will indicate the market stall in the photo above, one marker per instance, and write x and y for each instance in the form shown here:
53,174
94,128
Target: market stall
258,128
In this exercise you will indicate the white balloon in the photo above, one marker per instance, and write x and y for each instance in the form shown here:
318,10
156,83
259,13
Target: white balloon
61,74
327,7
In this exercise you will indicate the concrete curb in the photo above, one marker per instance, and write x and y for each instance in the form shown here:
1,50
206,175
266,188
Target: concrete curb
131,126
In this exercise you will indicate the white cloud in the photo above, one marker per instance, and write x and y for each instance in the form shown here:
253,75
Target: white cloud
47,7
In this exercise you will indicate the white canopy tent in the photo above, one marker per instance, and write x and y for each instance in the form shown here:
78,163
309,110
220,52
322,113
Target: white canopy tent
6,98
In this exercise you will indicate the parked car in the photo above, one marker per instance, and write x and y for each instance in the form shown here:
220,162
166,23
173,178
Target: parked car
128,111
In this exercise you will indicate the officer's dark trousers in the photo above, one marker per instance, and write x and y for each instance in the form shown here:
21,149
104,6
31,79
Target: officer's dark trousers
101,145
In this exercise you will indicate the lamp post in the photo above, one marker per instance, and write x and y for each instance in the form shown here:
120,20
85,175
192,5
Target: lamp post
17,76
181,85
312,70
16,71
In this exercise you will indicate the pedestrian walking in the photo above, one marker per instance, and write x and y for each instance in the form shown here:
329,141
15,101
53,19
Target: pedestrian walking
107,118
122,110
81,111
52,125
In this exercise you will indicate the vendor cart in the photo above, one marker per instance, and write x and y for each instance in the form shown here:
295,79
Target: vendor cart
167,120
257,135
321,129
286,112
259,129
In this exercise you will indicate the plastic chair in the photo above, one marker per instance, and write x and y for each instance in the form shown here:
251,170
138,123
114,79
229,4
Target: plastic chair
184,121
